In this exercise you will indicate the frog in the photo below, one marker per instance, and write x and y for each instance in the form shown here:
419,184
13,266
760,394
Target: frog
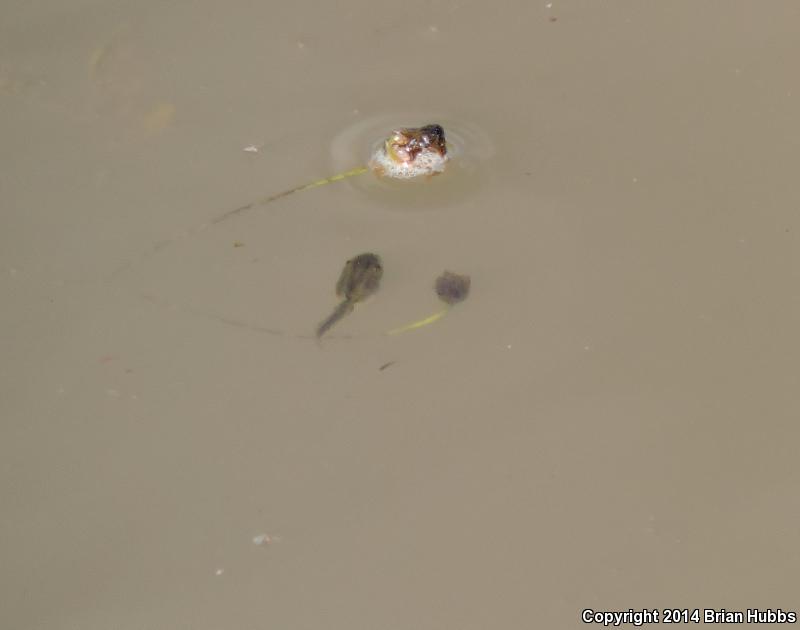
411,152
359,279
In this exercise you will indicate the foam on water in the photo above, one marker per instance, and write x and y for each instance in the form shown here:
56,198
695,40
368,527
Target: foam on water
425,164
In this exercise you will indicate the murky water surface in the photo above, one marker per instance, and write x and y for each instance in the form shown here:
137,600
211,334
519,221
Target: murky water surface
607,422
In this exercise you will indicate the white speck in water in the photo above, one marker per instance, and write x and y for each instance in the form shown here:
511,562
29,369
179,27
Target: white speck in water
433,28
219,571
586,347
549,5
635,180
251,149
262,539
508,347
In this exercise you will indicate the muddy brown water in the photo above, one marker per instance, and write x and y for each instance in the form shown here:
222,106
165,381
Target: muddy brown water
609,421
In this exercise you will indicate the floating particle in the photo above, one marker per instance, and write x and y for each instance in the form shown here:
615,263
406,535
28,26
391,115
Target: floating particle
262,540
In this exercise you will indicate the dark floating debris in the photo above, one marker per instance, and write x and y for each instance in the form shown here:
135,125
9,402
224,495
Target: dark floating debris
452,288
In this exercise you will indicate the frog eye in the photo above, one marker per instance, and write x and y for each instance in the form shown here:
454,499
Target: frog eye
433,133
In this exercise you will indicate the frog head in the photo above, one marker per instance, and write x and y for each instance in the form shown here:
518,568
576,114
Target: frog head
411,152
405,145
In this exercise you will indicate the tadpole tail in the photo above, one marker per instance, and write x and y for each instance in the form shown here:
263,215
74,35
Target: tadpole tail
340,311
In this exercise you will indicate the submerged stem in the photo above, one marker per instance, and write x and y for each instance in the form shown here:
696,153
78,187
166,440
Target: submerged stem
265,200
419,323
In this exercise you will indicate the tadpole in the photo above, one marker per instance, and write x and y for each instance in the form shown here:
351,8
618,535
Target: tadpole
359,279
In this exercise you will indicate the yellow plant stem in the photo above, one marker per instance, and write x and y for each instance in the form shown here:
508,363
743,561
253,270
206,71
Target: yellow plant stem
419,323
261,202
